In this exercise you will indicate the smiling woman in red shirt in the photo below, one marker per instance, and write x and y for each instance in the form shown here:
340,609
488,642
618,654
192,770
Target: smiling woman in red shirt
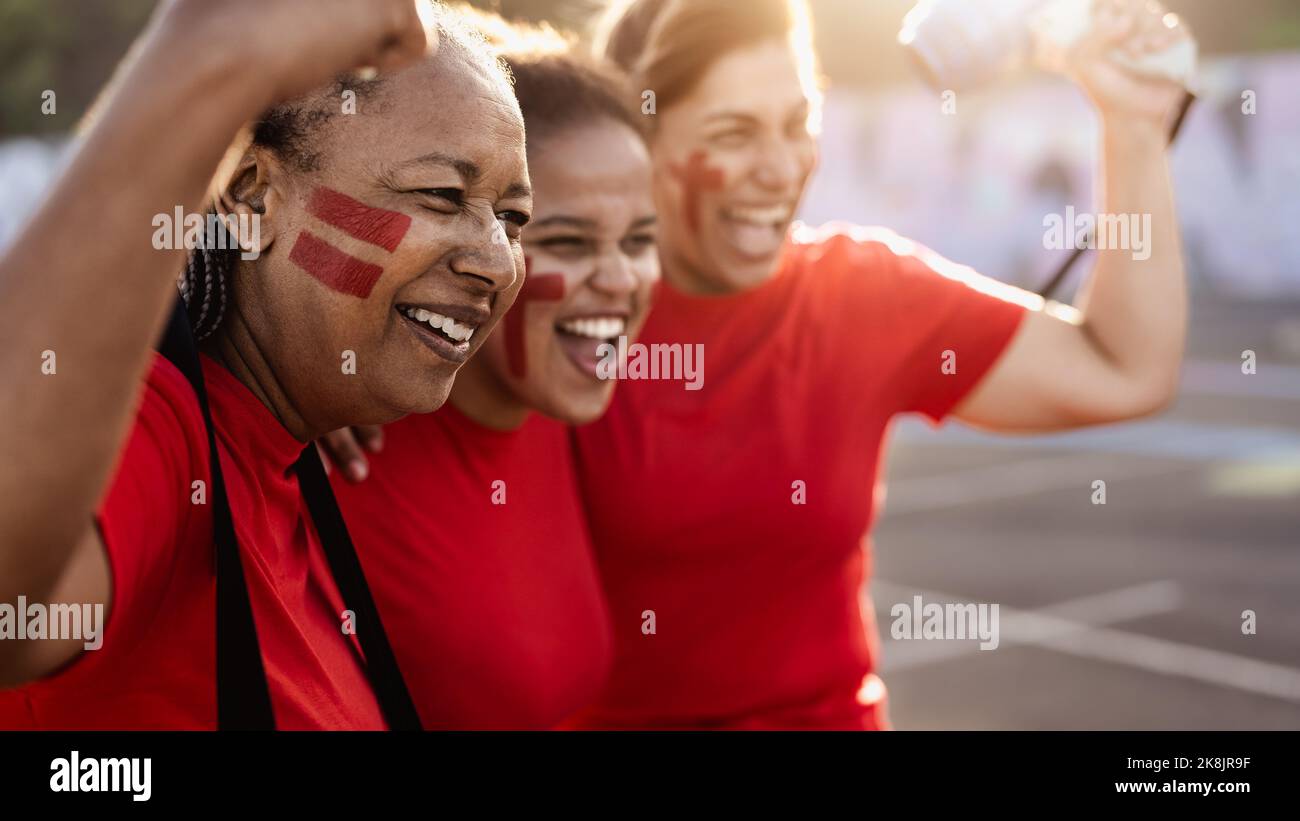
105,494
470,527
730,522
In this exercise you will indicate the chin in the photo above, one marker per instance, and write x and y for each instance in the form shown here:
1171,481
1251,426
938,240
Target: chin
581,406
742,274
434,396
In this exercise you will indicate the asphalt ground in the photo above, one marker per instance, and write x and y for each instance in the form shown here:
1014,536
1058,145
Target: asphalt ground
1123,615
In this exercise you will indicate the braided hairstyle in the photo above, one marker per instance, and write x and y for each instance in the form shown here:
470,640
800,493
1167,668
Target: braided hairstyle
287,130
203,282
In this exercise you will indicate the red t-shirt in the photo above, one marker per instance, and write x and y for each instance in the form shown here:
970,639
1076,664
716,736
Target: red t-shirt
494,610
157,666
758,611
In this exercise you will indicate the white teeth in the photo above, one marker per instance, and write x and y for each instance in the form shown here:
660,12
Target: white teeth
604,327
759,216
459,332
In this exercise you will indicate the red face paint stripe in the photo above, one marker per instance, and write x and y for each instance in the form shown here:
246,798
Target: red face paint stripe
536,288
697,176
340,271
373,225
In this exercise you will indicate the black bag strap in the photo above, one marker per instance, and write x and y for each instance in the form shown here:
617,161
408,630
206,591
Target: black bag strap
243,696
381,663
1048,290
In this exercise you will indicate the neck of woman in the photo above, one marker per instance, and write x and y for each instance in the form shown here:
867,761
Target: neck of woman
483,397
235,348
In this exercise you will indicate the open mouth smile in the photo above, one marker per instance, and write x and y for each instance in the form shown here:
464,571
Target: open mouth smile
447,335
581,337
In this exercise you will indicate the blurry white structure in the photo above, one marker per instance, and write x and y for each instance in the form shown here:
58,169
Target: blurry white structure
26,168
975,185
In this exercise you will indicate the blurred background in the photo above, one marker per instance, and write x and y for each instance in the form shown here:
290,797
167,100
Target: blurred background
1127,614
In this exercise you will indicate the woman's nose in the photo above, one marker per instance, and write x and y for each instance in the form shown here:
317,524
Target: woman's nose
489,257
780,165
614,273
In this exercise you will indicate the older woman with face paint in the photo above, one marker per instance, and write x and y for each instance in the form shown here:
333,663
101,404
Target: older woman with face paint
730,522
412,205
470,526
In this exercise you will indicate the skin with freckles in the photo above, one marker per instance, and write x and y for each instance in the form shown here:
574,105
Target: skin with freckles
732,159
592,245
406,209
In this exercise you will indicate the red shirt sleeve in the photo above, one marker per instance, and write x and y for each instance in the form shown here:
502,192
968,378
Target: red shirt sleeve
147,515
936,327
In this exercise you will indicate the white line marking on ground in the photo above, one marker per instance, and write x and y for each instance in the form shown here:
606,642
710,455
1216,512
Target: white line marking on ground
1081,634
1008,480
1021,626
1190,441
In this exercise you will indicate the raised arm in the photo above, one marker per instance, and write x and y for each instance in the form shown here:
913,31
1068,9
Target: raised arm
1116,354
83,280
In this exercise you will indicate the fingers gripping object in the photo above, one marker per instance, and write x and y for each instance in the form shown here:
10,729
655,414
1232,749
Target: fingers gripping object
966,43
962,44
1060,24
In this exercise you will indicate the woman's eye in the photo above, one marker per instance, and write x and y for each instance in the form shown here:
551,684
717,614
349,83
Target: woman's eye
516,217
453,196
732,138
568,247
515,222
638,244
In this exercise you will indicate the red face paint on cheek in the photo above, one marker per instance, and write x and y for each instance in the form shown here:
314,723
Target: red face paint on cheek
376,226
696,177
536,288
342,272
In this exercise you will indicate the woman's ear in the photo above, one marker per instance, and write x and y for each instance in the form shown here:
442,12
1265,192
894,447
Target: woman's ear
248,201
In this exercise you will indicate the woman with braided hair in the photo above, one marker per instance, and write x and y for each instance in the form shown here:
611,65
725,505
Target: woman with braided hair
388,248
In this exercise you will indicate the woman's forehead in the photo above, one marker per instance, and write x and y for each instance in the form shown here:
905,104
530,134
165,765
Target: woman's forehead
765,75
418,118
601,154
445,91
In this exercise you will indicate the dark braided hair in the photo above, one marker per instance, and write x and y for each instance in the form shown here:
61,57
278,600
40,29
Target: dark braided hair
287,130
204,281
